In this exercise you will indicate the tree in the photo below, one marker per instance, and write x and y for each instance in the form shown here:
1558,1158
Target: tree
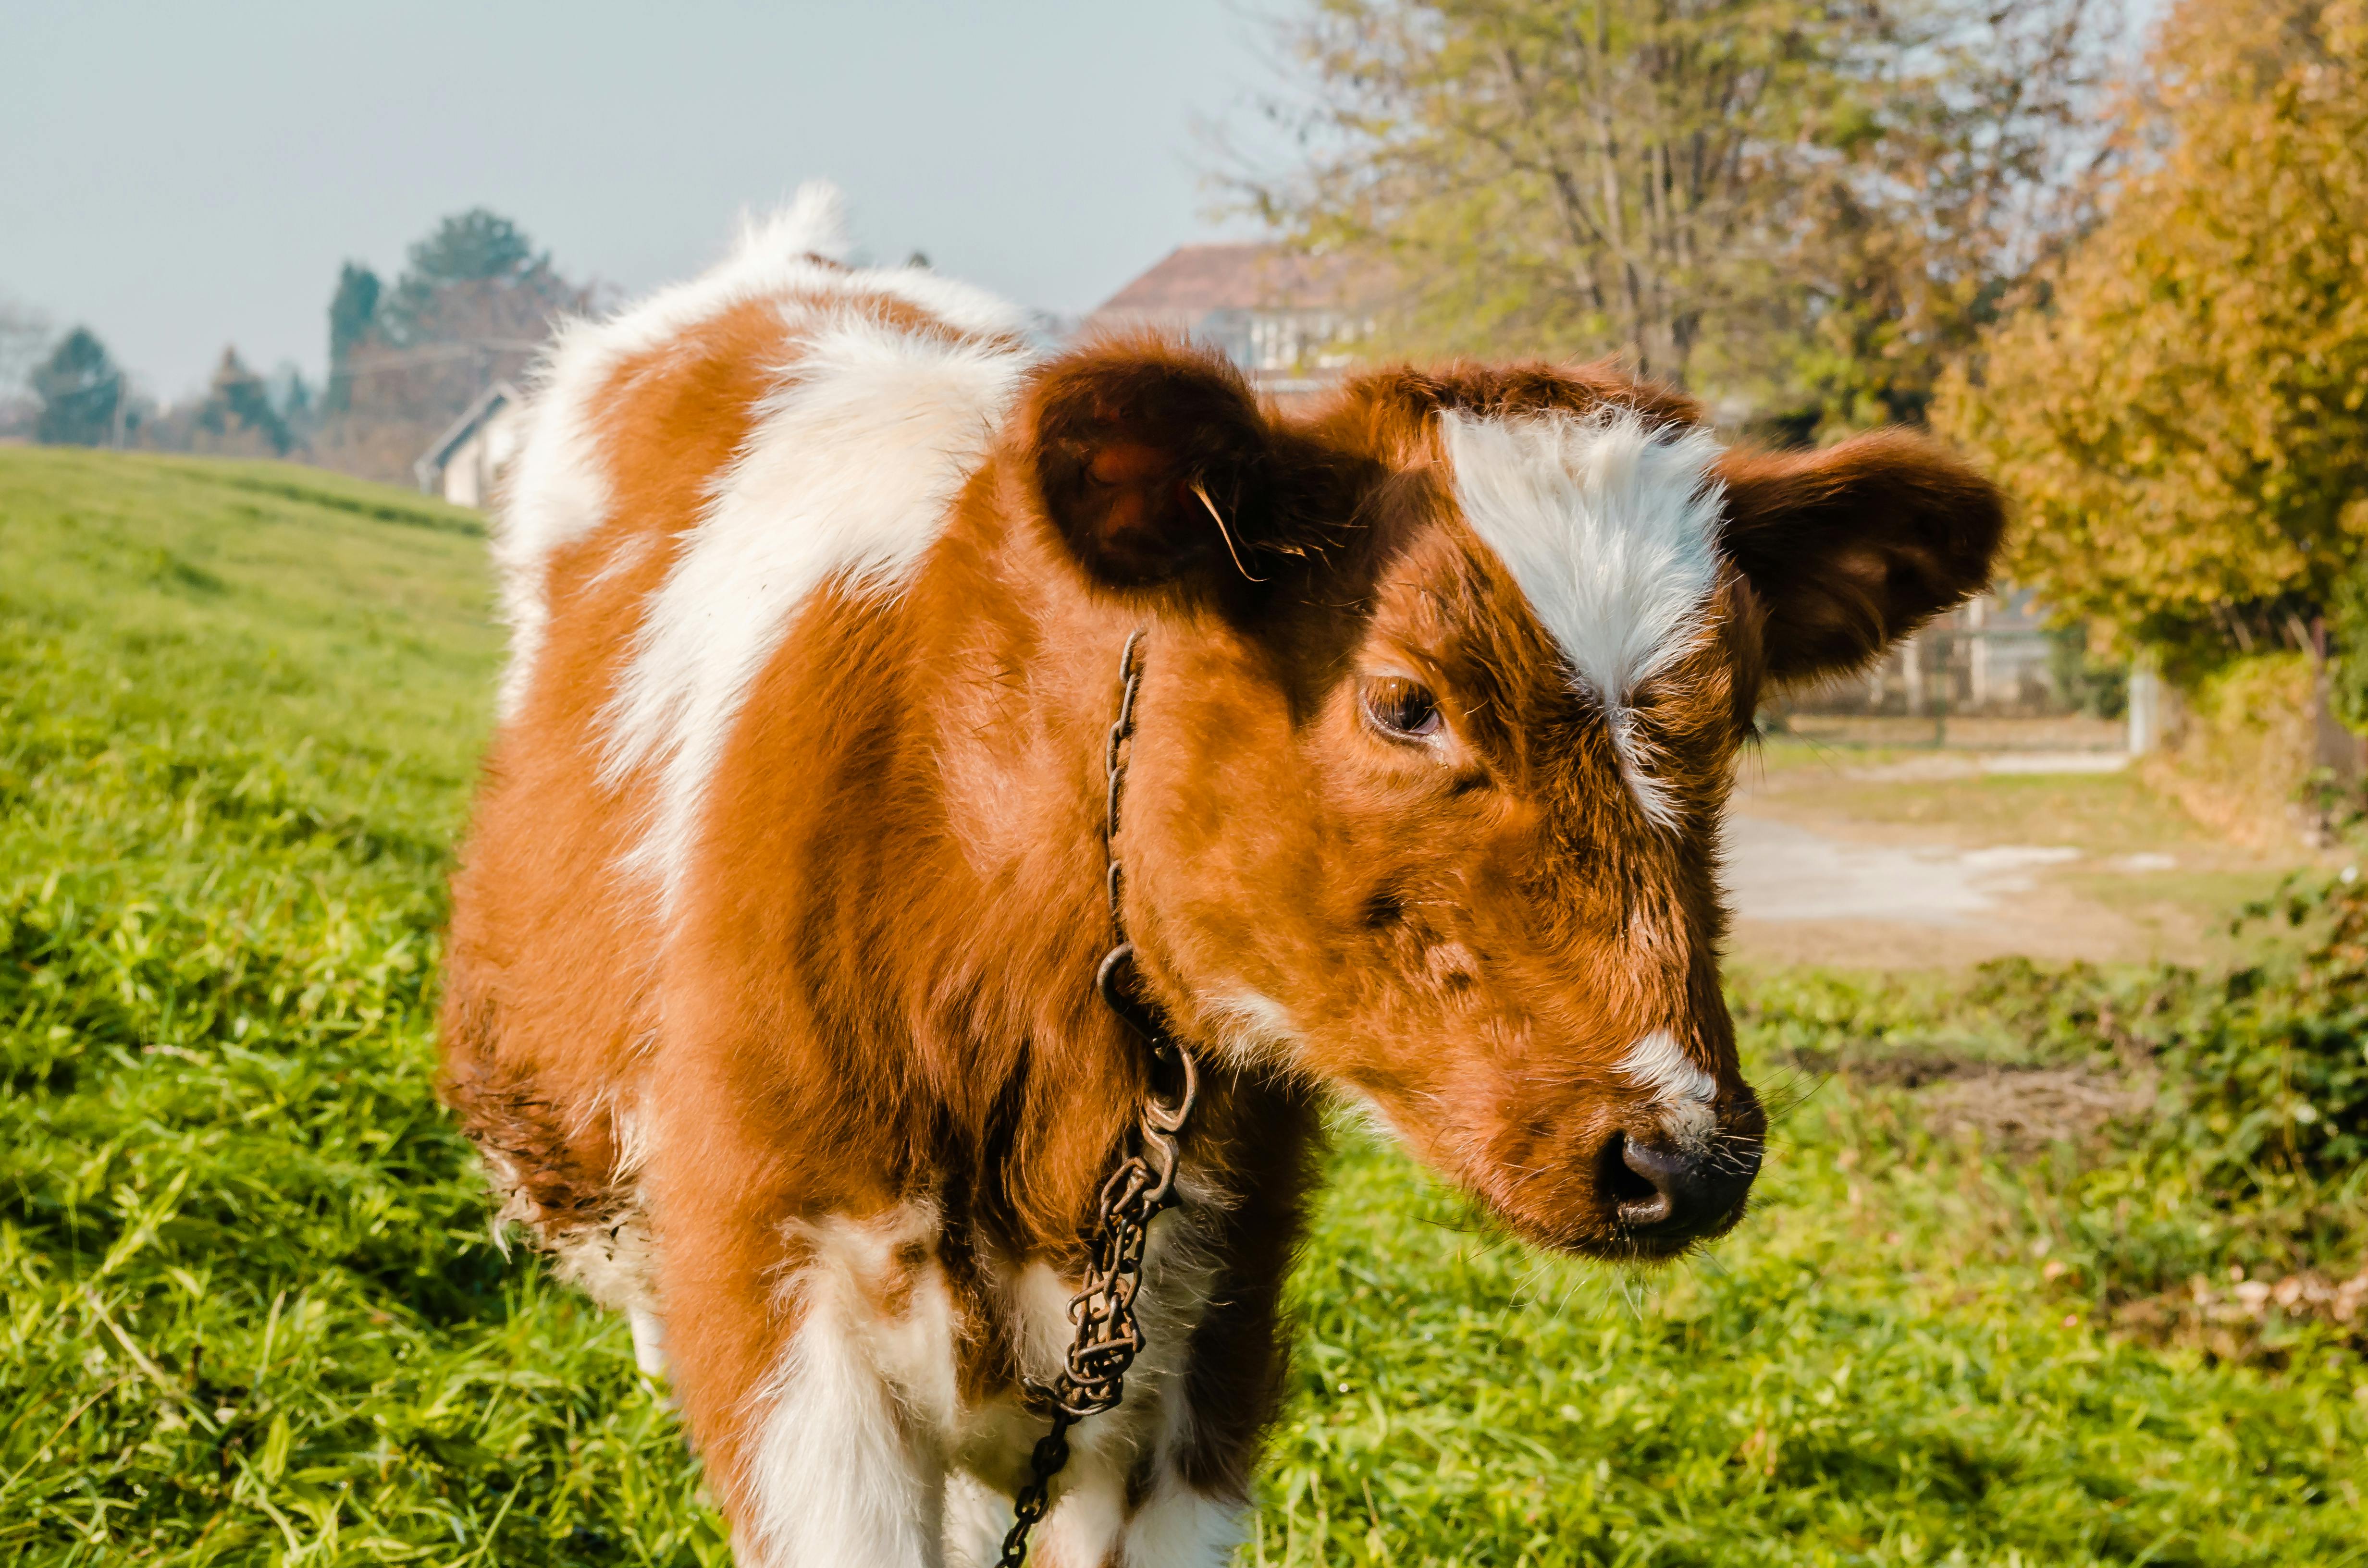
472,307
2182,405
81,392
353,310
1981,155
292,399
238,413
1734,193
473,248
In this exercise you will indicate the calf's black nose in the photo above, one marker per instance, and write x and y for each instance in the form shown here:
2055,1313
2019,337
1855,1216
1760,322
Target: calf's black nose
1672,1193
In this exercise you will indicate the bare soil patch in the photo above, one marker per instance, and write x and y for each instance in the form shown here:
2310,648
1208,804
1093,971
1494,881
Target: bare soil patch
2023,1111
2237,1319
2014,1109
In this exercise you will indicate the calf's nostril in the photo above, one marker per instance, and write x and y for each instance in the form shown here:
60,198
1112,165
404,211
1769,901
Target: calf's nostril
1693,1191
1655,1186
1640,1198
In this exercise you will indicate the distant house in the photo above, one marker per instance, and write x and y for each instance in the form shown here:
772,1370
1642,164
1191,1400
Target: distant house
470,456
1292,322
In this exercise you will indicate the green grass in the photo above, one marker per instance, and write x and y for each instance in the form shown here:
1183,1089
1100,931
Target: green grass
249,1311
1875,1370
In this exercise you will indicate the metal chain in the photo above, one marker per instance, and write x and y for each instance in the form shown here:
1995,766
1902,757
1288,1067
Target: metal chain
1093,1375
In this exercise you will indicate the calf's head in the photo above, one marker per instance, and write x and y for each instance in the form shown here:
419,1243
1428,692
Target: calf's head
1444,696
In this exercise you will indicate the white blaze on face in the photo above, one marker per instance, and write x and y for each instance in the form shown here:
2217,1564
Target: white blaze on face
1610,528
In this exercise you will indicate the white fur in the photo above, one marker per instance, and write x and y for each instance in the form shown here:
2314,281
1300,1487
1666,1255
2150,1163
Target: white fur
1250,1029
1364,1108
1681,1089
630,1134
1088,1521
1089,1511
1179,1527
1659,1063
846,477
833,1482
866,1454
976,1518
649,1341
1610,528
836,1479
1088,1518
558,491
611,1258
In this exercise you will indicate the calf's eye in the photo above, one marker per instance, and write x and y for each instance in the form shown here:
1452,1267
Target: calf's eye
1402,709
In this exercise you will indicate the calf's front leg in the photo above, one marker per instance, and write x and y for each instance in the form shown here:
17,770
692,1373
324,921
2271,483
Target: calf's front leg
776,1347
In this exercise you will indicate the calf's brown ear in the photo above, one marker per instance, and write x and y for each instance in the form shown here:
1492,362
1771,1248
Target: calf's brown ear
1851,547
1155,460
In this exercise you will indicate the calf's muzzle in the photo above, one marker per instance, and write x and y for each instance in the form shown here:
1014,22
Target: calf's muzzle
1669,1193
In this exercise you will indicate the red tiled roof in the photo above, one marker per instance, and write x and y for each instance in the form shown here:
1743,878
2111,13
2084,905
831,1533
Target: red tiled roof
1195,279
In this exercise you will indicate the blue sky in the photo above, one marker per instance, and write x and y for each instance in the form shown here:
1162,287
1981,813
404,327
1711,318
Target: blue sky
183,176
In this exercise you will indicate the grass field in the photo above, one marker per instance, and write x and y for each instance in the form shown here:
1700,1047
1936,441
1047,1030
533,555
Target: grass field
249,1311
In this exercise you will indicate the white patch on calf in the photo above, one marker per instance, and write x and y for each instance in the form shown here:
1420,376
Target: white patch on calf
1610,528
1180,1528
833,1480
1363,1108
1684,1091
867,1455
558,491
846,477
1088,1518
834,1474
649,1341
1250,1028
1659,1063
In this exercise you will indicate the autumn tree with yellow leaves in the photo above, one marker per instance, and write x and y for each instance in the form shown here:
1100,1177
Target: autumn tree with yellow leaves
2181,409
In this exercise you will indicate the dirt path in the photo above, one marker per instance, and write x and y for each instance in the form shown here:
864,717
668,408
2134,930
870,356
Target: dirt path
1803,896
1950,859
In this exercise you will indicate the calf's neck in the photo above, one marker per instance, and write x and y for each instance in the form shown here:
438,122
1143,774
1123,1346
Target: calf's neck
771,997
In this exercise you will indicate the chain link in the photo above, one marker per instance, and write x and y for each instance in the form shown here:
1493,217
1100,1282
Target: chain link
1092,1379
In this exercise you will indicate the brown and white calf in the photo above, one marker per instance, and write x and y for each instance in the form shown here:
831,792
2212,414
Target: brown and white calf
770,996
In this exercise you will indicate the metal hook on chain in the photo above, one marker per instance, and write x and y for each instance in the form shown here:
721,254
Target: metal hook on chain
1093,1373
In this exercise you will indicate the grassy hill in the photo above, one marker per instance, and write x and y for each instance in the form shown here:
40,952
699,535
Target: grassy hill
249,1310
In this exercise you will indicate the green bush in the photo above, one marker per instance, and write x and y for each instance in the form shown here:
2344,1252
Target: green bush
2269,1076
2251,1150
